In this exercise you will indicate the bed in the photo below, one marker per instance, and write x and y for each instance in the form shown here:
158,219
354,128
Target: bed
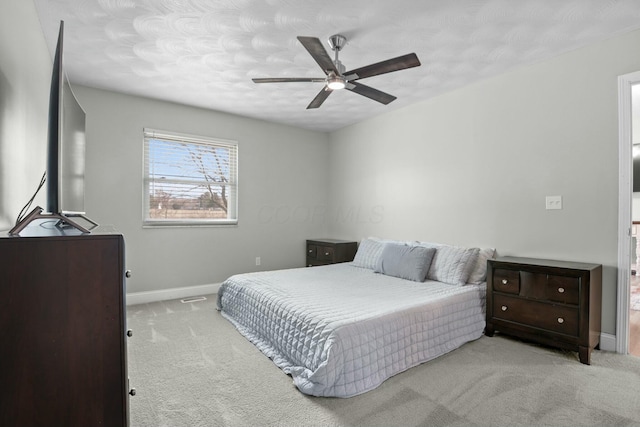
343,329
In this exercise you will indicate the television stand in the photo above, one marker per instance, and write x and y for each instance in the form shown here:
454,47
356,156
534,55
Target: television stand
64,323
64,221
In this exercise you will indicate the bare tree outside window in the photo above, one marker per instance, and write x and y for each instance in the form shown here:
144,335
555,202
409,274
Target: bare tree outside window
189,180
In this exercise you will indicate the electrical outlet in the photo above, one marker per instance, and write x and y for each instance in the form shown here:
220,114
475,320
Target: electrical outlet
554,202
257,260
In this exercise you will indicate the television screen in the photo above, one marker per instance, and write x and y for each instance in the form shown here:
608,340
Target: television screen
72,154
636,174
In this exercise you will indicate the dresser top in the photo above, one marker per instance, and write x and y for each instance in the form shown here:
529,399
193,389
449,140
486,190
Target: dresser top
332,241
547,263
46,227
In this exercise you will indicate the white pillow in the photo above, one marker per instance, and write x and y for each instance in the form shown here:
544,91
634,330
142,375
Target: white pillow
479,272
368,253
451,264
367,256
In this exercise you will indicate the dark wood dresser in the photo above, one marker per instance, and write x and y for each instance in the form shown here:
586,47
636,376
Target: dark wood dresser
63,324
330,251
555,303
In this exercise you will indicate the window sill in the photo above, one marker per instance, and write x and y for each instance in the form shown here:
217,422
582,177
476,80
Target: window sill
189,224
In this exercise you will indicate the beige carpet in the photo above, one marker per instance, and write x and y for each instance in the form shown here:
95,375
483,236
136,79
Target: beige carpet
190,367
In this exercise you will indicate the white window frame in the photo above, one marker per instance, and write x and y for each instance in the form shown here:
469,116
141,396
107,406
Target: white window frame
193,141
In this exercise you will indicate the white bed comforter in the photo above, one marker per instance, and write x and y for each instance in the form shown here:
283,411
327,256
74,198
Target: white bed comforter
341,330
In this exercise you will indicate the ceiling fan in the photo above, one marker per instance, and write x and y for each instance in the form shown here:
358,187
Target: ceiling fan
336,77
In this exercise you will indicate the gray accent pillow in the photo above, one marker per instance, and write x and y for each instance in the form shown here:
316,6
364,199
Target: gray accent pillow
368,253
452,264
405,262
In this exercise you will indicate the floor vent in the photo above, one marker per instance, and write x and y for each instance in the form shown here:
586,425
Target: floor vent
193,299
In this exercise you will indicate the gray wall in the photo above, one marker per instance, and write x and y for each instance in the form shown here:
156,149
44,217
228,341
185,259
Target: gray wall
473,167
281,191
25,76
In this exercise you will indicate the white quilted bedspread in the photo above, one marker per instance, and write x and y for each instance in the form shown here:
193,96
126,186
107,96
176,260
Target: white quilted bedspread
340,330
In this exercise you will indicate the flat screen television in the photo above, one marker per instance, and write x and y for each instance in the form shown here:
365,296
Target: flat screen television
65,153
66,142
636,174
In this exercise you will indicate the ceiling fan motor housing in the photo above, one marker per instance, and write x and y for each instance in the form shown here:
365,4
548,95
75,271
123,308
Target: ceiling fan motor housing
337,42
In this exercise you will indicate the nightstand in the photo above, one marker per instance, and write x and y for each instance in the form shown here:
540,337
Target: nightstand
555,303
330,251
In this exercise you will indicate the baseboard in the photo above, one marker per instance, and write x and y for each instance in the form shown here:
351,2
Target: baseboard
169,294
607,342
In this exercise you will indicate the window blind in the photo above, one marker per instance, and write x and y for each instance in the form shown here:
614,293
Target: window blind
189,179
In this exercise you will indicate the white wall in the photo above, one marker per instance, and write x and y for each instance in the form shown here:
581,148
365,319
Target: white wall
25,76
282,187
473,167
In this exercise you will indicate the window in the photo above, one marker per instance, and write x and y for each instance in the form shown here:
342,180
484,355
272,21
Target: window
189,180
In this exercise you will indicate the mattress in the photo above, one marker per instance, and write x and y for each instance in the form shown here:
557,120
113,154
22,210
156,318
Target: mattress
341,330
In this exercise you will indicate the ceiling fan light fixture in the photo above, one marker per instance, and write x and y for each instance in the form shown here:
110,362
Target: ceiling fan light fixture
336,82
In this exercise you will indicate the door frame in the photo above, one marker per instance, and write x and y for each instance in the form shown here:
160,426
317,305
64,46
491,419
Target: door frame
625,159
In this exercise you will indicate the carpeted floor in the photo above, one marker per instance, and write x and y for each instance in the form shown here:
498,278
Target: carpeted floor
190,367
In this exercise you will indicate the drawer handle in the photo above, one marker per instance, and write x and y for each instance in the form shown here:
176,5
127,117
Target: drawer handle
505,281
561,290
326,254
560,320
504,308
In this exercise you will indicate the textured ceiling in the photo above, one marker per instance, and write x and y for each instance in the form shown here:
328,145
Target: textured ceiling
205,52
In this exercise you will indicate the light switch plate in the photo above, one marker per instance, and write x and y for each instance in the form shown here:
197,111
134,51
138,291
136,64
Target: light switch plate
554,202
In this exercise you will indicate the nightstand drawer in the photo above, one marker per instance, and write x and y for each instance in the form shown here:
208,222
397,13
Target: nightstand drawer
563,289
542,315
506,281
312,251
325,253
550,287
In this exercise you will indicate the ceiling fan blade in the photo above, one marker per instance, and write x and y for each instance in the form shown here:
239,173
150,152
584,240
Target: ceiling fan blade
369,92
320,97
318,52
287,80
395,64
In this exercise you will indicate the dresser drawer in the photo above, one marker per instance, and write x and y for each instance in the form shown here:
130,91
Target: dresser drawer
555,318
312,251
506,281
550,287
325,253
563,289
